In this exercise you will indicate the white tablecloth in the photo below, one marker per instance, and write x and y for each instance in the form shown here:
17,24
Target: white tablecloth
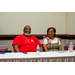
56,56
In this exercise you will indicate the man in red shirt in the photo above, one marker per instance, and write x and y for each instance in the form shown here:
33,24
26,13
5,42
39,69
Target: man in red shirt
26,42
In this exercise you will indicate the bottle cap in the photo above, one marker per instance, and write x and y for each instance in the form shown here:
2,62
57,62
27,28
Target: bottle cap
37,46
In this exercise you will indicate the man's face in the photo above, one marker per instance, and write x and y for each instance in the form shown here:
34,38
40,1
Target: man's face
27,30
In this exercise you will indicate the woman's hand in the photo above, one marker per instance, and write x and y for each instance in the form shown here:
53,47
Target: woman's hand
45,47
59,47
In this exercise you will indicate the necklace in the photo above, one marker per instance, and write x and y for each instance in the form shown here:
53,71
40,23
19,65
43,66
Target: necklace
27,39
52,38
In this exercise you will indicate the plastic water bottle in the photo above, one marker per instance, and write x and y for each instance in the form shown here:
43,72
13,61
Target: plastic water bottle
38,49
70,47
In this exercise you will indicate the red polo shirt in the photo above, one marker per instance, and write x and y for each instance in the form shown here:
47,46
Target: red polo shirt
26,44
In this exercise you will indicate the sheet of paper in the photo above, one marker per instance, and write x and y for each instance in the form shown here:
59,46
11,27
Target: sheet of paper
32,52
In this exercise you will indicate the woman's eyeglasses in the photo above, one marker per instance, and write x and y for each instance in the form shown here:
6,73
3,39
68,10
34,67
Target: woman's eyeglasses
50,31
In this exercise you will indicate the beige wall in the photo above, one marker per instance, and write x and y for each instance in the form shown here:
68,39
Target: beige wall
13,22
71,23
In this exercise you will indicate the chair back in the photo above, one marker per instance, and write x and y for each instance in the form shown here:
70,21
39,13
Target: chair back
3,48
67,45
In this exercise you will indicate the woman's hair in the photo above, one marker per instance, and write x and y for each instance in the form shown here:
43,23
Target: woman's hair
53,29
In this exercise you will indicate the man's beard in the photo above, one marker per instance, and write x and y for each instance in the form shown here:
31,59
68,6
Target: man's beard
27,34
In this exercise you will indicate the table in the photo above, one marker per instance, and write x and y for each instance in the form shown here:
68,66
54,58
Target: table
56,56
